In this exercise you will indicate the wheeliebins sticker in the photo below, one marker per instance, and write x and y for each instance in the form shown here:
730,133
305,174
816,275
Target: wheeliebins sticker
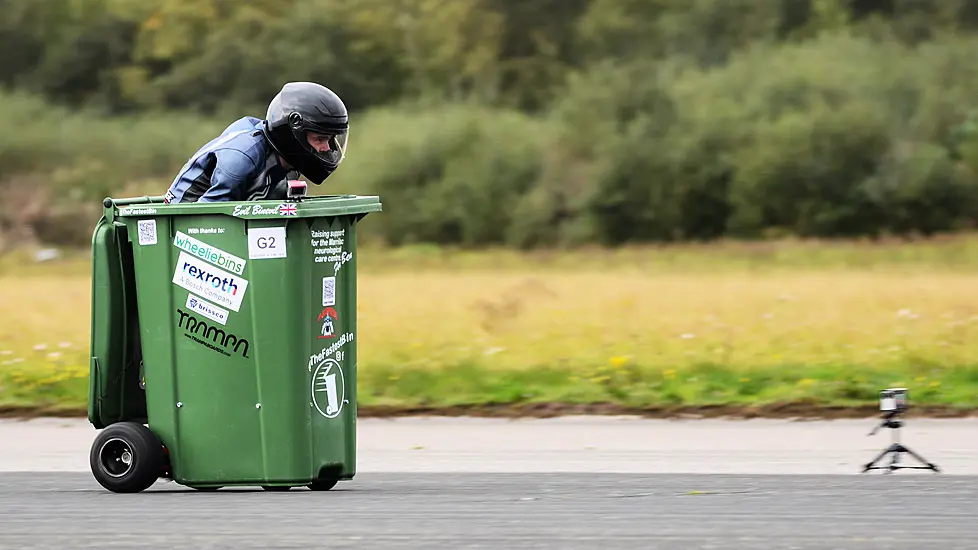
208,253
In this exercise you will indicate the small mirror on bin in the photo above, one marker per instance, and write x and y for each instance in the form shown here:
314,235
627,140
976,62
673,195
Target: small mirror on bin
297,190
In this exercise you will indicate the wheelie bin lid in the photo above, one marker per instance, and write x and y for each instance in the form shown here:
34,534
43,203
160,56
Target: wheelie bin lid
307,207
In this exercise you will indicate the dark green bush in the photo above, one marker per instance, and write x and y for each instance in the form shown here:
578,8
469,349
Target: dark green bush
676,120
451,175
826,138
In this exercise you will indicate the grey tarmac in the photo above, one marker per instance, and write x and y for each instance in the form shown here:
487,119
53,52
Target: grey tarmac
568,483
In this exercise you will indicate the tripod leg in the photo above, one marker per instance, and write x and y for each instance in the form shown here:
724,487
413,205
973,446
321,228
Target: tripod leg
871,464
922,460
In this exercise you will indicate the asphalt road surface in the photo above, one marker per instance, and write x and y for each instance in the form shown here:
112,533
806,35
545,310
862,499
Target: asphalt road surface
565,483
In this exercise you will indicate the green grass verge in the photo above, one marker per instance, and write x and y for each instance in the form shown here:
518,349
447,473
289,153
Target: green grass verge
860,318
618,386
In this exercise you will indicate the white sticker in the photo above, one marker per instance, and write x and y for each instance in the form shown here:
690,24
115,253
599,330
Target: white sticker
147,232
206,309
211,282
329,388
329,291
266,242
209,253
328,318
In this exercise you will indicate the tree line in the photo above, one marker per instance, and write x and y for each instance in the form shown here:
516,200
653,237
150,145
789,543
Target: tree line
529,122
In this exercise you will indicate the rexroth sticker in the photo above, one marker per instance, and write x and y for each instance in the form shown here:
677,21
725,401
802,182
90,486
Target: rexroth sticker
209,281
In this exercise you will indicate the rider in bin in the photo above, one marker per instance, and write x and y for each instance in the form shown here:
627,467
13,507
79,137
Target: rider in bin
304,132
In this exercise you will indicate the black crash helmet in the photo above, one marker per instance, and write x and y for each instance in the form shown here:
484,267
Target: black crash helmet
299,109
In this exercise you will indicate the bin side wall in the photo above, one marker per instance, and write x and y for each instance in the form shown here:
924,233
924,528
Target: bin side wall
332,363
114,393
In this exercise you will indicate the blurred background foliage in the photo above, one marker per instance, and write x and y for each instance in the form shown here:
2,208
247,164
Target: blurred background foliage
525,123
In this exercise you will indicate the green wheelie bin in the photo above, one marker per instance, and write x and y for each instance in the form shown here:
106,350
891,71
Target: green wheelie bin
223,342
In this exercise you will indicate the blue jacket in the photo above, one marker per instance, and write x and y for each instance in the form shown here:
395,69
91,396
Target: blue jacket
224,168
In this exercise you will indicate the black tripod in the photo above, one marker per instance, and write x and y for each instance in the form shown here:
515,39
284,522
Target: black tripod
896,448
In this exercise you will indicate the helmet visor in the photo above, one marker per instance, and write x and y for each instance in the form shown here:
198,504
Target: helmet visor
329,147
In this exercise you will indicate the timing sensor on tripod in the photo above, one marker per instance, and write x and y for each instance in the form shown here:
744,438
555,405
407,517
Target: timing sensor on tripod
893,401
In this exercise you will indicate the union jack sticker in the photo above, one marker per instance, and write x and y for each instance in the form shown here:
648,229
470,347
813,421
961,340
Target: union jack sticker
287,209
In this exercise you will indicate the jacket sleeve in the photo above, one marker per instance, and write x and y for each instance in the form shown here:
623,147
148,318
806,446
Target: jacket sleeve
232,171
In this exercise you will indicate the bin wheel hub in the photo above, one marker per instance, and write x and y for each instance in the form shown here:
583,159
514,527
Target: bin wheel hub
116,457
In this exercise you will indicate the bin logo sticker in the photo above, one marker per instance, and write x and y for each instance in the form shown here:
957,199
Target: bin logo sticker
209,253
327,317
212,312
210,336
210,282
329,388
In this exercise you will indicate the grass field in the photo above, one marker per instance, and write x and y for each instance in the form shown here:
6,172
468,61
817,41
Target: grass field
827,324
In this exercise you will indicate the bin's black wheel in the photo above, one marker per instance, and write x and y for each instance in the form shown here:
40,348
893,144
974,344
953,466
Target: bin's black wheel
323,484
276,488
126,457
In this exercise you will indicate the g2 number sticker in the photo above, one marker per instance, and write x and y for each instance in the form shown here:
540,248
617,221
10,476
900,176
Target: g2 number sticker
266,242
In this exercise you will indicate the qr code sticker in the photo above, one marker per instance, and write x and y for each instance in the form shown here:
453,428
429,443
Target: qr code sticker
147,232
329,291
